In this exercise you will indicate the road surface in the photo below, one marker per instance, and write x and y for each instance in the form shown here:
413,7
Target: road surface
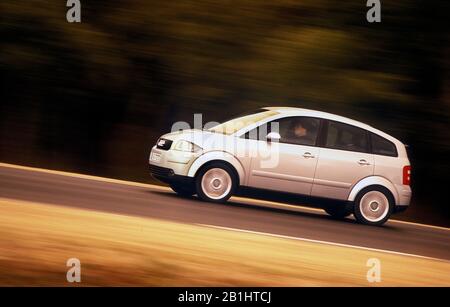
239,214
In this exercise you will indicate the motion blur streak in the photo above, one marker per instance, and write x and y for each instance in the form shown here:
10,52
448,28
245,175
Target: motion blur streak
37,240
144,201
265,203
92,97
324,242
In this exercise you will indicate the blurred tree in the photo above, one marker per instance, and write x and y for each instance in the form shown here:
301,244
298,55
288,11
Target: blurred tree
93,96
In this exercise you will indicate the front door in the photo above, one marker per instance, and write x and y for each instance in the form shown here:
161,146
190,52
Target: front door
287,165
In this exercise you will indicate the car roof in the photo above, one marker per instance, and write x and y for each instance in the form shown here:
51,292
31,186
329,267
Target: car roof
314,113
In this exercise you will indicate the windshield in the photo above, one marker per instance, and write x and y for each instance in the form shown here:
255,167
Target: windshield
233,125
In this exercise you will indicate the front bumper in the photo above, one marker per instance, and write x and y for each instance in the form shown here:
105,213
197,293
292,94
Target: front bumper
178,161
171,166
168,176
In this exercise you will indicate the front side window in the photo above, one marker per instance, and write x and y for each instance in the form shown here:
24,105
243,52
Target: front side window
293,130
381,146
254,134
346,137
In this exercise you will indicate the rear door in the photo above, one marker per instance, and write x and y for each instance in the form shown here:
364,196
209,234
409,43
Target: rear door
344,160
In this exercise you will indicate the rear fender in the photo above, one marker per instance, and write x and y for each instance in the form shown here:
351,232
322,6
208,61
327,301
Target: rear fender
373,180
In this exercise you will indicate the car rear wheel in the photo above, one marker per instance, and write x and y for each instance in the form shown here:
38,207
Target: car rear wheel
182,190
373,206
338,212
215,182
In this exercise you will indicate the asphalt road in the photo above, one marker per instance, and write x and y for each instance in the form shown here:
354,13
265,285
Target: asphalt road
240,213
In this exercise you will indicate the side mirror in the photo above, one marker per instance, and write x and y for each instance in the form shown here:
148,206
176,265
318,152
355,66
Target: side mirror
273,137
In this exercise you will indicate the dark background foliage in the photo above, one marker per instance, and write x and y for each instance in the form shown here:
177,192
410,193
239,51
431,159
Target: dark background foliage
94,96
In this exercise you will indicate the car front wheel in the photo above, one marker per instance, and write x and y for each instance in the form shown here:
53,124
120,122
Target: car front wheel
215,182
373,206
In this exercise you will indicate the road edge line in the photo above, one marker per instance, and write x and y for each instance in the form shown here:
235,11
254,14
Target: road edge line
159,187
323,242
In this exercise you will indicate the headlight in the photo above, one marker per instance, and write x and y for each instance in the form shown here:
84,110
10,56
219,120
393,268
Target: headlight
183,145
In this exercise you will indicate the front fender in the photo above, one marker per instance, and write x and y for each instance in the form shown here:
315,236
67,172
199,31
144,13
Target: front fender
373,180
217,156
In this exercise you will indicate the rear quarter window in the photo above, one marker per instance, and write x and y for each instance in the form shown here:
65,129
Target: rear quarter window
381,146
346,137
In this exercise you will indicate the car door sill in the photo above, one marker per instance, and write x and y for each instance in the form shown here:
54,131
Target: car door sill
282,176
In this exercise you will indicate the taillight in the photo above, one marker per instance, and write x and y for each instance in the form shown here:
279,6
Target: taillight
407,175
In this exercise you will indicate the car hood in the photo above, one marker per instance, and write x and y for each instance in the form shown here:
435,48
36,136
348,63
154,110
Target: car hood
207,140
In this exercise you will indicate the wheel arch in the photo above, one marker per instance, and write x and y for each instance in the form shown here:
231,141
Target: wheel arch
218,156
373,181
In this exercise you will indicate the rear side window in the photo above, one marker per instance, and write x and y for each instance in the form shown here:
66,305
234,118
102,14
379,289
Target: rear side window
346,137
381,146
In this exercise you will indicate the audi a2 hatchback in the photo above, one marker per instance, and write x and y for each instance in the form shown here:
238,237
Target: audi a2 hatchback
294,150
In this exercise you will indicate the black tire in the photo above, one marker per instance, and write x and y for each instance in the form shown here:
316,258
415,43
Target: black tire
339,211
220,167
182,190
359,206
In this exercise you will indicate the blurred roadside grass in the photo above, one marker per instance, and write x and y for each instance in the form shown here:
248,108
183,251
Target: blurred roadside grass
37,239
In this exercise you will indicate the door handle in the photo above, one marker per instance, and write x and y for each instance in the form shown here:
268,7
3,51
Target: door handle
308,155
363,162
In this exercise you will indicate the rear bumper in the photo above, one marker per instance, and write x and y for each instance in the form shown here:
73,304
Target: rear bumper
167,175
404,195
398,209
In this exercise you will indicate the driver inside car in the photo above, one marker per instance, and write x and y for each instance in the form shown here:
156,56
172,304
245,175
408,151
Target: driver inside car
300,133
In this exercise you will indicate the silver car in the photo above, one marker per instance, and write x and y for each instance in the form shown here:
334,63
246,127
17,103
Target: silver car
354,167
